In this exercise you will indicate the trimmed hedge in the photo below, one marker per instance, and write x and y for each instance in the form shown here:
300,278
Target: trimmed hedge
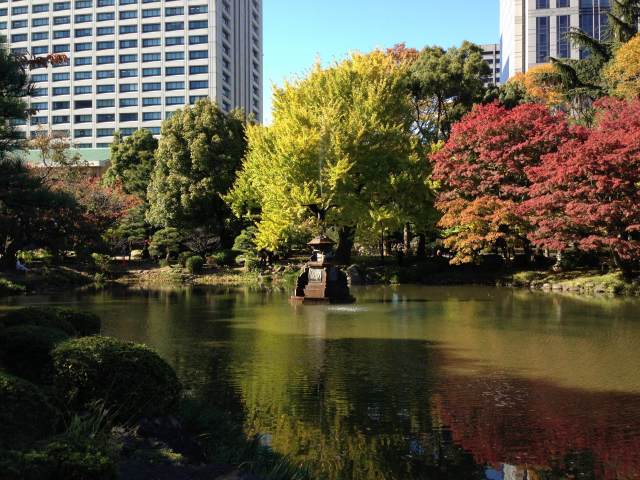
130,379
85,323
58,460
70,321
26,415
194,264
39,316
25,350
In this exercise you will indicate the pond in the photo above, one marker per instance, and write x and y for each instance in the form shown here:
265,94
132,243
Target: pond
409,382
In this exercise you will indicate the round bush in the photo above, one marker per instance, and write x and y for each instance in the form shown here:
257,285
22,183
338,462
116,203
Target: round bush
25,350
85,323
194,264
25,413
39,316
223,258
130,379
183,257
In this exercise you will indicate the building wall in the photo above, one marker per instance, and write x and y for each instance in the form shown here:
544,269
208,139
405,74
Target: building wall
491,55
133,62
519,30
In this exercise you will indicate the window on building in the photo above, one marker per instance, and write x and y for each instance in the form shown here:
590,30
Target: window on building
100,31
128,73
151,72
60,77
78,61
173,26
129,117
171,11
151,86
174,100
128,102
82,104
196,24
151,42
197,69
105,132
106,3
36,36
150,116
101,74
151,57
128,58
169,71
61,20
542,4
173,41
61,48
105,16
562,3
106,88
58,6
82,132
564,43
198,84
174,86
196,9
105,117
84,19
22,10
82,75
127,14
542,40
170,56
60,119
106,45
198,39
105,103
82,89
194,98
19,23
128,29
128,87
42,7
82,47
149,101
195,54
151,27
40,77
40,22
124,44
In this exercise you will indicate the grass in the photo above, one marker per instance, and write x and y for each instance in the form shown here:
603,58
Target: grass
613,283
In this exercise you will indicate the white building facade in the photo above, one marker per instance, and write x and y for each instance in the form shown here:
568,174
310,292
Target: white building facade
133,62
491,55
534,31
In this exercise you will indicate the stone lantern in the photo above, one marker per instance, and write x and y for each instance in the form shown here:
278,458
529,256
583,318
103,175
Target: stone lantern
321,282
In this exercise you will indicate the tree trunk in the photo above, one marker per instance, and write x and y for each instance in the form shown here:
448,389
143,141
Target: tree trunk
422,246
9,257
345,245
406,240
382,248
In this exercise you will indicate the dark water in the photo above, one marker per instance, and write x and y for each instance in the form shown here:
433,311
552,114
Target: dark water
410,382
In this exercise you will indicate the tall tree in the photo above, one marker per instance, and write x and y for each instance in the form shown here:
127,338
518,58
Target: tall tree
622,74
341,146
482,176
132,161
196,162
444,85
586,195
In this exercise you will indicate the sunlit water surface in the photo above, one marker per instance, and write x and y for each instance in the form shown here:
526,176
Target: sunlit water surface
410,382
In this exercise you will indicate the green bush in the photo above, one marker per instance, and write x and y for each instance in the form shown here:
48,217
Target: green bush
183,257
195,264
223,258
245,242
25,350
85,323
7,287
130,379
40,316
26,415
101,262
58,461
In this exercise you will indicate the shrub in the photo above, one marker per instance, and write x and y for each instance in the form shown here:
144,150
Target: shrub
183,257
39,316
195,264
7,287
25,350
223,258
26,415
130,379
85,323
101,262
58,460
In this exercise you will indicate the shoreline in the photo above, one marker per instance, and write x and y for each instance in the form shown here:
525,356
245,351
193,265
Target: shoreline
581,282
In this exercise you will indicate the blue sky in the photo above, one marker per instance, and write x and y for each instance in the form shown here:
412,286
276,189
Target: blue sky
296,32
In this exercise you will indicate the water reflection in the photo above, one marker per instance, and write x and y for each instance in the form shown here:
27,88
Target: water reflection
410,382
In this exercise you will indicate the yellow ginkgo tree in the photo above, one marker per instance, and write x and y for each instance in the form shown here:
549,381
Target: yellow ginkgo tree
340,147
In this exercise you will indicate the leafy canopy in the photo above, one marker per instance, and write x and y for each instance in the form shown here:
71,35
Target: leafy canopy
341,140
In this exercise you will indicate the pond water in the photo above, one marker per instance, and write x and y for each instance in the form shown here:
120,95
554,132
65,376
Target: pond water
410,382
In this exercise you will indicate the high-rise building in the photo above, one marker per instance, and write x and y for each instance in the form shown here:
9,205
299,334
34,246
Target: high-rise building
491,55
533,31
131,63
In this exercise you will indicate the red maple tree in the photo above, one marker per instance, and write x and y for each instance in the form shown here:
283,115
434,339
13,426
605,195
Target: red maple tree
587,194
482,174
